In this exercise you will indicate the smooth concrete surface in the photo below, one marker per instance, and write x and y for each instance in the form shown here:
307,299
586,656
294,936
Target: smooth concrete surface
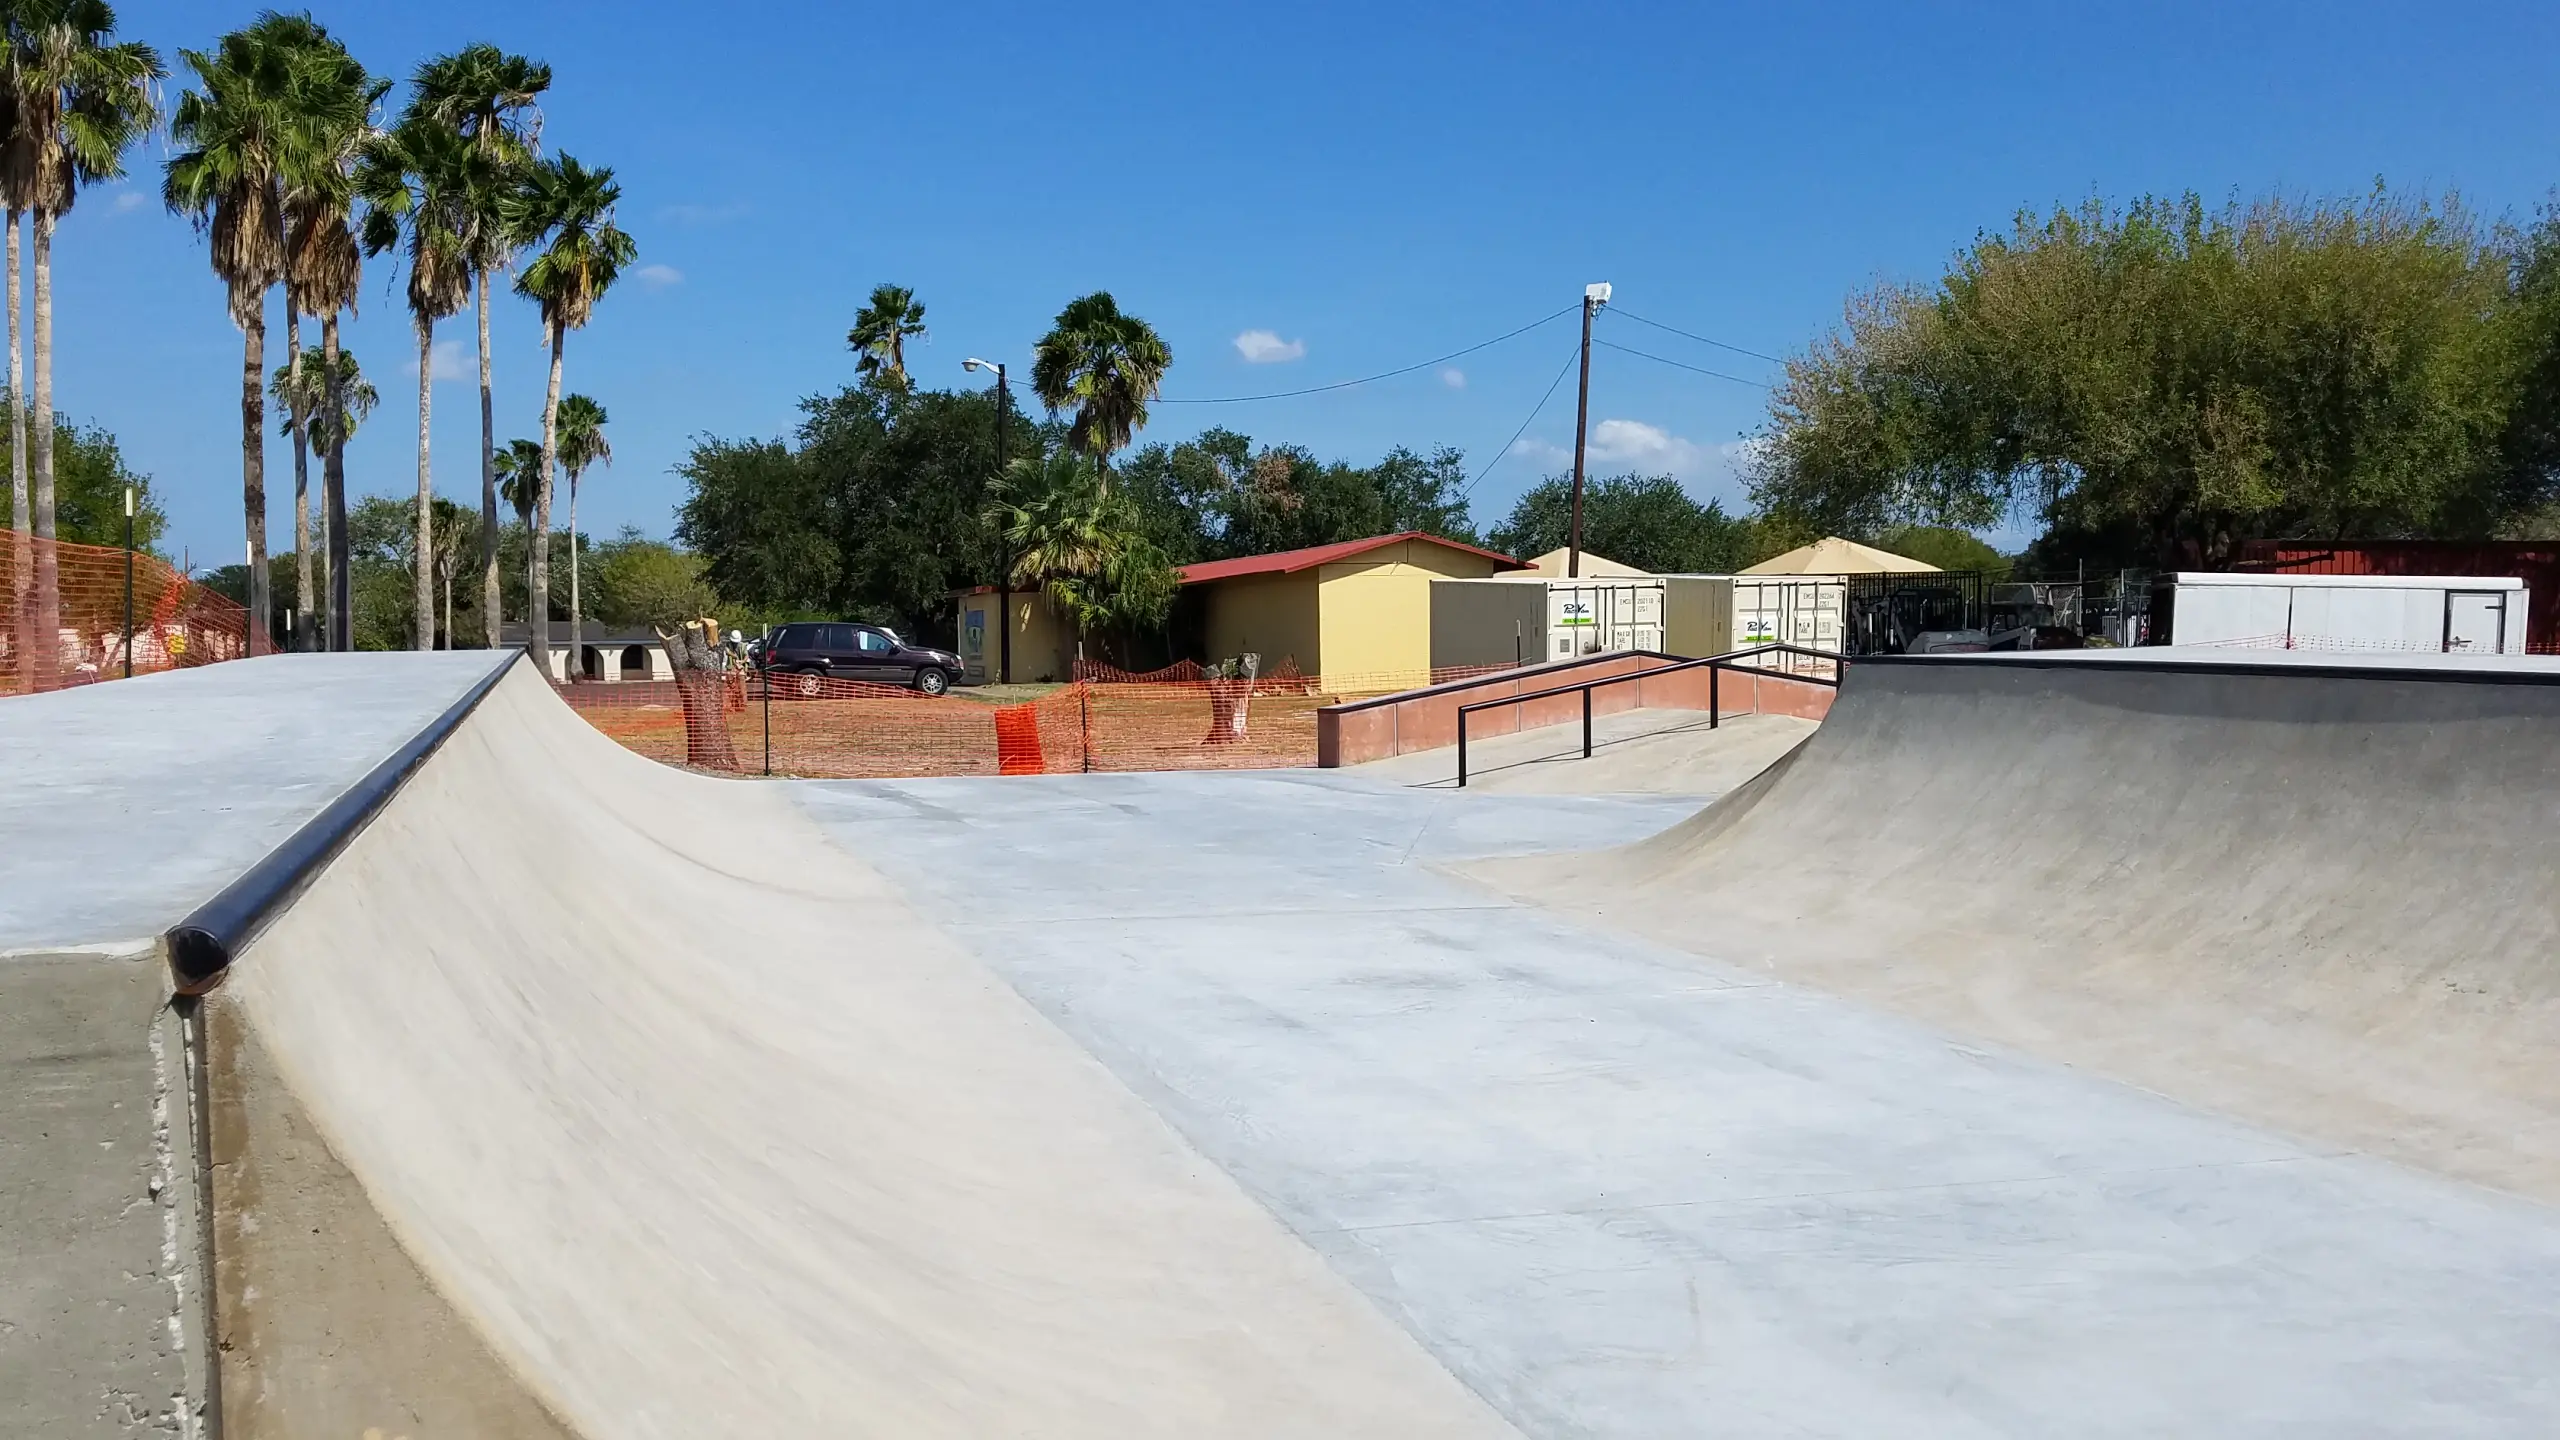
1625,1192
2323,902
711,1132
101,1292
151,794
326,1328
1634,752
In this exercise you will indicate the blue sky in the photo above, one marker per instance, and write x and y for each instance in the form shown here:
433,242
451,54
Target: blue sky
1371,185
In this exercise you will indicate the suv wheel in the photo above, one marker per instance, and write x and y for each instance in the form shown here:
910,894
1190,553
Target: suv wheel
932,681
806,682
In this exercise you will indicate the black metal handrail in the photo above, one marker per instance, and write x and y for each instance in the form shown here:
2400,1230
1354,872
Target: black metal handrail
1715,666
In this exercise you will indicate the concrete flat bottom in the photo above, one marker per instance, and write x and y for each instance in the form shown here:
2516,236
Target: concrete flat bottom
1624,1192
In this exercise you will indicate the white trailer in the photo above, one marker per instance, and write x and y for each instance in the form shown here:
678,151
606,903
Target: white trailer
2458,614
1502,621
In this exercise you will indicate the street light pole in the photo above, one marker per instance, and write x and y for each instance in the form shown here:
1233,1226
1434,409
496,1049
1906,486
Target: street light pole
1593,297
1004,578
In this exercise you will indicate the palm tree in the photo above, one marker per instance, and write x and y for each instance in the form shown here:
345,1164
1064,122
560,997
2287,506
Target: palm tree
519,468
567,210
323,270
327,414
880,331
415,181
237,134
1079,547
1107,366
488,97
582,443
76,100
455,524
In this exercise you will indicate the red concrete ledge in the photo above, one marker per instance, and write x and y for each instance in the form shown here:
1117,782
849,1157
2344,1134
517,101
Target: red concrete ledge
1427,719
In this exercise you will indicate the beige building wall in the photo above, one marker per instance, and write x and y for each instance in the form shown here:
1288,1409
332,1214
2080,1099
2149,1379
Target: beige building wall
1375,612
1274,616
1044,642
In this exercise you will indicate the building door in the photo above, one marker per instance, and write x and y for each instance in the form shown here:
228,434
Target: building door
2475,622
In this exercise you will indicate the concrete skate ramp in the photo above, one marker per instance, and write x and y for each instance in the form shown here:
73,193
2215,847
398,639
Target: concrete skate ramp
2314,895
706,1131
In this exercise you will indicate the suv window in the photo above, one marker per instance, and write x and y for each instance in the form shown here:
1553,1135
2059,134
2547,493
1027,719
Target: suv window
875,643
835,638
794,637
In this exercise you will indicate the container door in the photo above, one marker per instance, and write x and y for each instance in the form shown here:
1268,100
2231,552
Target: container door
2475,621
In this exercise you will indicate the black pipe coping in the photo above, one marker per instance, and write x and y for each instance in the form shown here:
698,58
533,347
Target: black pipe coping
202,946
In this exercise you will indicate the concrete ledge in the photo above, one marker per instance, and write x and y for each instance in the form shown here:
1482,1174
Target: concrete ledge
100,1287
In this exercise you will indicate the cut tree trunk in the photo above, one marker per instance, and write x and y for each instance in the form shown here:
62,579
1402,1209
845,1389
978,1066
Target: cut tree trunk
538,601
488,483
302,610
424,600
700,668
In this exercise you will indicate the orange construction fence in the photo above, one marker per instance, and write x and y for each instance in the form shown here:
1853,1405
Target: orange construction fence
63,616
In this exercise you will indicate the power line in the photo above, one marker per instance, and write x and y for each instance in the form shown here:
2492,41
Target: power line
1678,365
1386,375
1701,339
1570,356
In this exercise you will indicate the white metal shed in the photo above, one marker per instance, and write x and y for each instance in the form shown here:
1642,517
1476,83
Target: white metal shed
2463,614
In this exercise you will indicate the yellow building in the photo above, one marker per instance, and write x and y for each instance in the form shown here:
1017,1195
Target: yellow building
1357,614
1044,642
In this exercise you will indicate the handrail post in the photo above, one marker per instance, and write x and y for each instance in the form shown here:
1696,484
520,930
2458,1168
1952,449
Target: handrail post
1586,722
1715,698
1462,747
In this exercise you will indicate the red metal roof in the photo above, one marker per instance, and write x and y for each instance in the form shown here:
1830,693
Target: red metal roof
1287,562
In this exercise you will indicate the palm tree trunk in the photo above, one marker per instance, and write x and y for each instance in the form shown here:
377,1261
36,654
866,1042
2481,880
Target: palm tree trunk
333,496
447,576
423,616
488,482
302,612
538,600
40,462
577,632
22,576
253,471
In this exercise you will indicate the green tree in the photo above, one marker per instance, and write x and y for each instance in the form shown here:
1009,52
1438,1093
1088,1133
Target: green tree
761,516
72,101
1943,546
582,443
2164,380
881,330
90,476
235,132
520,466
325,396
1646,521
417,181
491,99
565,209
1079,546
645,582
1105,366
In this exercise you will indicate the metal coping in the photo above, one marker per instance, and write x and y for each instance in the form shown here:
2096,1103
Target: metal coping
203,945
2133,659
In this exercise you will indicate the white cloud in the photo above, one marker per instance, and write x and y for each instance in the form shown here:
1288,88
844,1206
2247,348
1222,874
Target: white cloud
128,201
444,362
1636,445
658,277
1265,347
1454,378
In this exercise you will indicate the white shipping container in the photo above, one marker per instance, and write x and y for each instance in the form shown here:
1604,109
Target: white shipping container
1788,610
2461,614
1503,621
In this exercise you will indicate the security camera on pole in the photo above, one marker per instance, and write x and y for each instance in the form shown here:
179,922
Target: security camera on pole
1593,297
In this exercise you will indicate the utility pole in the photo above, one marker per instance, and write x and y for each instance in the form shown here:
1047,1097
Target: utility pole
1593,297
1004,579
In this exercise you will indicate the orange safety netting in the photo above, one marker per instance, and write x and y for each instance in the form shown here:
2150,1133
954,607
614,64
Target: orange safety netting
63,616
837,729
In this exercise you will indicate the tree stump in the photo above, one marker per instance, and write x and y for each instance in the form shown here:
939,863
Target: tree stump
1230,698
701,669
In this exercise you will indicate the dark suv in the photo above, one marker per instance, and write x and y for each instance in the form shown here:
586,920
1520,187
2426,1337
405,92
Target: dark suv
807,650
